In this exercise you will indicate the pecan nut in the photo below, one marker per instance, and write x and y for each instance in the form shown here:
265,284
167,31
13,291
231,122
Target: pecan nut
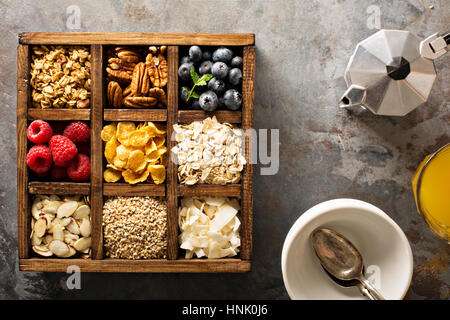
140,102
118,64
128,55
140,83
121,76
127,91
114,93
163,70
159,94
158,70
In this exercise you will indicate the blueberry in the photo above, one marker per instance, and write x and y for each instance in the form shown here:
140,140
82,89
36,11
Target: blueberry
207,55
217,85
208,101
184,71
184,94
195,104
222,54
235,76
236,61
220,70
205,67
195,53
232,99
185,59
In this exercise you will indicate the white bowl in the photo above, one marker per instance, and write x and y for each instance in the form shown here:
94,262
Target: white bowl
383,245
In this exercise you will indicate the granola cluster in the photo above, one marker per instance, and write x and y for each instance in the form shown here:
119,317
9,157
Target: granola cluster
60,77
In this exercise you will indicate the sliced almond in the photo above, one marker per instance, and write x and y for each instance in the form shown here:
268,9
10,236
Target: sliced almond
54,223
82,244
58,233
81,202
73,227
54,197
47,218
71,252
41,197
45,202
85,227
67,209
42,250
65,221
59,248
35,240
70,238
36,209
72,198
47,239
40,227
52,207
82,211
51,216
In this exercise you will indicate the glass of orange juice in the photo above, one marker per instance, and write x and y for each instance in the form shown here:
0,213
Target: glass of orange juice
431,187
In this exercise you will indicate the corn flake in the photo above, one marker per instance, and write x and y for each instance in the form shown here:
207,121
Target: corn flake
137,161
158,172
110,149
112,175
136,153
108,132
132,178
139,138
124,129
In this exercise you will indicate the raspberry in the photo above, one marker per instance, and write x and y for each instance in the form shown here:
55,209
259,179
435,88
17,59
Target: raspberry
63,150
39,132
80,168
58,173
77,131
39,159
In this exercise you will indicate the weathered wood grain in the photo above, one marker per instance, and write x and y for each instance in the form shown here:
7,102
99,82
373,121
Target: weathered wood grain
97,151
23,99
188,116
135,115
248,89
96,188
138,266
174,39
171,173
230,190
60,188
59,114
140,189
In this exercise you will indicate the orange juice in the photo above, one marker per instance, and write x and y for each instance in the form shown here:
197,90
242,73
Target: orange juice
431,186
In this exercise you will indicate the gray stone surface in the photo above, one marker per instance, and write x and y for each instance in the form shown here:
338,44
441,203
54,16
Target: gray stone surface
302,51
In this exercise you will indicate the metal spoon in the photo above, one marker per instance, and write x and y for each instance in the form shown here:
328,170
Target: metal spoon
351,283
340,258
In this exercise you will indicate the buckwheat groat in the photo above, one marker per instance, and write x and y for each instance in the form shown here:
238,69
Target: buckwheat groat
135,228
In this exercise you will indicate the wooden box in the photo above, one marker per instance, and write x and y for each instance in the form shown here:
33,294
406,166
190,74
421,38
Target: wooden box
97,115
